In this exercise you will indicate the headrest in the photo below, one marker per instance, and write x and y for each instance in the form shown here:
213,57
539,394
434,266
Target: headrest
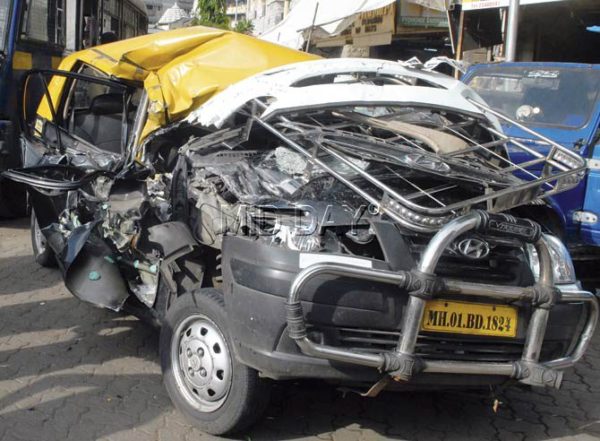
107,104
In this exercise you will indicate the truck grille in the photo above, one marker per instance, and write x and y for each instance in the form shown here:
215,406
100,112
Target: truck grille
459,348
506,264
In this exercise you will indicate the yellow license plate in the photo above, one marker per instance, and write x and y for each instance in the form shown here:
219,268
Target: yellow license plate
470,318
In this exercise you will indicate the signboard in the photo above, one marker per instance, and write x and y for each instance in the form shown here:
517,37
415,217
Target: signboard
371,28
470,5
424,22
414,17
377,27
374,27
438,5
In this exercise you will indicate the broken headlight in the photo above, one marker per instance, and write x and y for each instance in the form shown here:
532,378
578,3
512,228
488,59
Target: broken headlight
295,230
562,265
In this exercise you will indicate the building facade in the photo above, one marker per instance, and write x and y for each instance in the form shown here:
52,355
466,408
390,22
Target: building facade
400,30
264,14
157,8
237,10
173,18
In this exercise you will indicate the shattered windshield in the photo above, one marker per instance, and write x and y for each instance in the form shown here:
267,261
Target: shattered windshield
551,96
4,23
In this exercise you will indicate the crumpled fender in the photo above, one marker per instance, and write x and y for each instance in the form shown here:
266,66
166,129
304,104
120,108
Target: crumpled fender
88,270
171,239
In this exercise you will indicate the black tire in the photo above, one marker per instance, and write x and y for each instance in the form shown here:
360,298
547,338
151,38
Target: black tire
247,395
42,253
13,197
13,200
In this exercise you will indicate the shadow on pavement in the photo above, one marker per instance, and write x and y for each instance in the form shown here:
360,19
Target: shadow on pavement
20,274
69,371
94,393
17,224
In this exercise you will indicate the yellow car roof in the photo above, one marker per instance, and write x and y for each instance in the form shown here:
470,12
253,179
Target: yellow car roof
183,68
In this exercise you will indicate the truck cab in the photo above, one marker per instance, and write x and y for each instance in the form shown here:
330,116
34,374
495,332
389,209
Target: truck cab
562,102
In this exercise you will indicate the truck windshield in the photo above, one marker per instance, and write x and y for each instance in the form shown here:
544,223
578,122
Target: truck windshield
540,96
4,23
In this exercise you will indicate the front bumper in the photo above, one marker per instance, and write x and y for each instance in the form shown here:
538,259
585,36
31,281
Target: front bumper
341,297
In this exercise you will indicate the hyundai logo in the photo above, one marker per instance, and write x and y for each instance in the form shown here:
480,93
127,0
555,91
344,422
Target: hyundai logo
473,248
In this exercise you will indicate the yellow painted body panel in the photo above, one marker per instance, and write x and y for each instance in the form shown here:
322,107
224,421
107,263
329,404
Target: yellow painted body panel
56,62
180,69
22,60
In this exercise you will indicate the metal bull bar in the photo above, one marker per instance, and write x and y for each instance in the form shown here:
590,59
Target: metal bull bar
422,284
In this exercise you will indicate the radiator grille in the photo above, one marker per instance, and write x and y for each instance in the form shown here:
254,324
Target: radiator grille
434,347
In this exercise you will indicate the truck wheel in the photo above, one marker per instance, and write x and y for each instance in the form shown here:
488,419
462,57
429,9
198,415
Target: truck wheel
13,197
13,200
202,376
42,253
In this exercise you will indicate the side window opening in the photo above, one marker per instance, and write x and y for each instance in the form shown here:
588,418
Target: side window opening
44,21
79,110
93,112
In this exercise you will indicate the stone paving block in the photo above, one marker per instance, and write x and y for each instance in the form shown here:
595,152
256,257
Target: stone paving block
72,372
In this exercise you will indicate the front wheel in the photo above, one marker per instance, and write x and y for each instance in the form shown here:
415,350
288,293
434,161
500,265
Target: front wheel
202,376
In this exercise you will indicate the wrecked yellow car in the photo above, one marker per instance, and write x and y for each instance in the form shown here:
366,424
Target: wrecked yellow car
281,216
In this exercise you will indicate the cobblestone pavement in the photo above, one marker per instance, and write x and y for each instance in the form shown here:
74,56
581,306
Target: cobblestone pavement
69,371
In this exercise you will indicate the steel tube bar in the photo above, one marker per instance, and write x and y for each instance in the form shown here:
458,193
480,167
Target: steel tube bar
535,335
473,368
587,333
342,355
447,210
443,238
330,352
512,31
413,314
526,129
539,319
369,198
414,311
335,269
492,291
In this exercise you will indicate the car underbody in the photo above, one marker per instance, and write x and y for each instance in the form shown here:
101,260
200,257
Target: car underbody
363,224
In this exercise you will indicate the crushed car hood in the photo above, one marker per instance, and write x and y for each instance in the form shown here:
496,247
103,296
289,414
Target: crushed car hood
294,87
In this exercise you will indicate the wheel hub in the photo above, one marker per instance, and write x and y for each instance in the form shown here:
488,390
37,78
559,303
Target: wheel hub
204,364
197,362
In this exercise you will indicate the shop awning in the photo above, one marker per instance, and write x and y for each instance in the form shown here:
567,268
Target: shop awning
332,17
438,5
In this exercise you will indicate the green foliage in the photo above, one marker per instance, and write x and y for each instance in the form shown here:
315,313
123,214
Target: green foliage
244,26
212,13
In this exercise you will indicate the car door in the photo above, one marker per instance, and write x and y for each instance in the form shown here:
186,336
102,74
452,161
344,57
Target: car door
77,114
589,216
74,143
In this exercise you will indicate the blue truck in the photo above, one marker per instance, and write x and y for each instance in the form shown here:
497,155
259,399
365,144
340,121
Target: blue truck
562,102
